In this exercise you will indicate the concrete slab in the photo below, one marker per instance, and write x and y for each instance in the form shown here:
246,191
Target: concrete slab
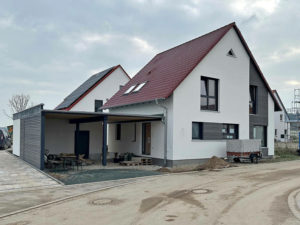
16,174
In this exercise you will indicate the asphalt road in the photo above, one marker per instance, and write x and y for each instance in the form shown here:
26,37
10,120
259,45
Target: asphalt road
256,194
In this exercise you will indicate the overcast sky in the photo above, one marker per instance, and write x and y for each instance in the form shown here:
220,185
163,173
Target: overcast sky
48,48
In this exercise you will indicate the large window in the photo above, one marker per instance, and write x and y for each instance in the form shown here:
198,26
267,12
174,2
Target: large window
209,94
253,100
118,131
260,132
197,131
230,131
98,104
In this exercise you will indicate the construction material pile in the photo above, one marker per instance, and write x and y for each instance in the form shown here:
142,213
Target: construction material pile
213,163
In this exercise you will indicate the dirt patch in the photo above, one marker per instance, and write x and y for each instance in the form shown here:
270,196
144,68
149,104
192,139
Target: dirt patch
150,203
214,163
185,196
164,170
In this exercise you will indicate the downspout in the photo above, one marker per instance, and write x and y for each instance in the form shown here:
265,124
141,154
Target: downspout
164,120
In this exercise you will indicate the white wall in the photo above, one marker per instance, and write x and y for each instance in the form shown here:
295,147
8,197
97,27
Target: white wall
157,130
271,126
16,137
126,144
233,75
60,137
280,125
105,90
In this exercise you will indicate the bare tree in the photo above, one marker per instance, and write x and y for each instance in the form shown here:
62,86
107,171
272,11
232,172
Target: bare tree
18,103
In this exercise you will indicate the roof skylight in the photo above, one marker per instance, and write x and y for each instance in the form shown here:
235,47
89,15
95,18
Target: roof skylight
140,86
130,89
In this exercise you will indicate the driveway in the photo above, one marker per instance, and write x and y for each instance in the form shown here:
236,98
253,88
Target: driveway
15,174
254,194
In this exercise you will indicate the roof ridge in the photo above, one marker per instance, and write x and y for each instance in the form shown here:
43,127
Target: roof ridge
231,24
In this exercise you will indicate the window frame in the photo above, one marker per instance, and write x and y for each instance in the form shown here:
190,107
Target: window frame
129,90
139,86
254,103
95,109
216,97
227,133
200,126
118,132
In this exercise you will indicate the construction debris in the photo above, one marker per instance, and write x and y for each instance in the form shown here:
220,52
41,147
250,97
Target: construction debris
214,163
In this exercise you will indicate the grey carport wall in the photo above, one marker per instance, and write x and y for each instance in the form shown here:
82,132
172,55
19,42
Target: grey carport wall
32,129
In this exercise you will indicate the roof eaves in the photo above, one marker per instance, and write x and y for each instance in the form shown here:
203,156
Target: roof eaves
275,92
136,103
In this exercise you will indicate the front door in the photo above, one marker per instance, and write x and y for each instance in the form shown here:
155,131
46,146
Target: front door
146,138
83,143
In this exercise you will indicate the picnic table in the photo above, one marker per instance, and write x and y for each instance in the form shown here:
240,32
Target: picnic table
72,158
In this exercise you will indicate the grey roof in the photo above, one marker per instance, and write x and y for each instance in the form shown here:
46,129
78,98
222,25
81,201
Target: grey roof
71,98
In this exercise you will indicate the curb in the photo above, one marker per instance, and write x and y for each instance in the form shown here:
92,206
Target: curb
292,204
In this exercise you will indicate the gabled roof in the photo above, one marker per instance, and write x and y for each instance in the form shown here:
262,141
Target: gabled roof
168,69
275,92
73,98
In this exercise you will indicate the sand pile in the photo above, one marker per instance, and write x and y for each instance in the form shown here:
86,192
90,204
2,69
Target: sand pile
164,170
213,163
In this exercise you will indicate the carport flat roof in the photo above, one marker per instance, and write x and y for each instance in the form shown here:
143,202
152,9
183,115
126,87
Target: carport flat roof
111,117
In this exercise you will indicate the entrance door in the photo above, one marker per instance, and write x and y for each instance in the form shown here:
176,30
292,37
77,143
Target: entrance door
83,143
146,138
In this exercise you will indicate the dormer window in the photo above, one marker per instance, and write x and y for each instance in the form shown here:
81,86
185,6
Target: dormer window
130,89
139,87
231,53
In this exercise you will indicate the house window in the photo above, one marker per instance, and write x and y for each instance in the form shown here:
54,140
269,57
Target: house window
230,131
260,132
134,133
281,117
197,131
118,131
285,131
139,87
129,89
209,94
275,132
98,104
252,100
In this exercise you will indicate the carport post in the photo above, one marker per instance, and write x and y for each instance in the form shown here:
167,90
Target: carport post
104,148
77,140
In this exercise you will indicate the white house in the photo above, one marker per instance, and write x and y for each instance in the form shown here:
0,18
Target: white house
281,119
179,108
88,97
205,85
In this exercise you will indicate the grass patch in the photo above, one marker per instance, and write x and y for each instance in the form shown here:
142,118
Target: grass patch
285,154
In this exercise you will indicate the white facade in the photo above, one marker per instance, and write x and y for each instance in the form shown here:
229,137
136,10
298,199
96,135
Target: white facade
60,137
282,127
107,88
184,108
17,136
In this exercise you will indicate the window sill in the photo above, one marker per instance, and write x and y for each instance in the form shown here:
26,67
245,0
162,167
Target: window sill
213,111
253,114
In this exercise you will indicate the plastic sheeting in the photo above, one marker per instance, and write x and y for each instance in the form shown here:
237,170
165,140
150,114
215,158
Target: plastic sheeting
253,145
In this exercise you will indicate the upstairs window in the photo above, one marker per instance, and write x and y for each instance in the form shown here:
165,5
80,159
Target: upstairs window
139,87
230,131
253,100
281,117
130,89
209,94
98,105
231,53
276,132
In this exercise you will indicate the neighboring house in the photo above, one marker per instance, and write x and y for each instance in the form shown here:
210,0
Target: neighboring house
95,91
88,97
204,85
282,125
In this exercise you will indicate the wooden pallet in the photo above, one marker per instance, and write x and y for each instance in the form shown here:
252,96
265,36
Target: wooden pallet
146,161
129,163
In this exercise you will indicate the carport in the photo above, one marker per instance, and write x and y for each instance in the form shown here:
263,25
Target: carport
32,127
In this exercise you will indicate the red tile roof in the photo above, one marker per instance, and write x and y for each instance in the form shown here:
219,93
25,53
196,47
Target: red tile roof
168,69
